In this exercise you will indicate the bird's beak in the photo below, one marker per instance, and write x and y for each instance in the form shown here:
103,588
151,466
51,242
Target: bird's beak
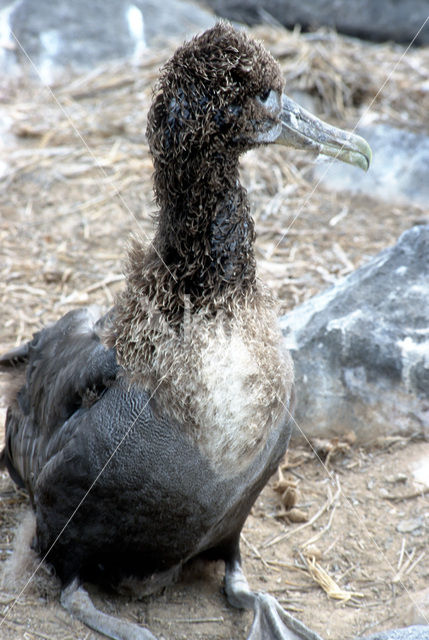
301,130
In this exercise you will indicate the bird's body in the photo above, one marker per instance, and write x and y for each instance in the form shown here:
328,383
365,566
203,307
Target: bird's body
144,482
144,437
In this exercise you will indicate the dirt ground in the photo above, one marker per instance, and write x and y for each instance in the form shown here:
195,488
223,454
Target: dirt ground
75,182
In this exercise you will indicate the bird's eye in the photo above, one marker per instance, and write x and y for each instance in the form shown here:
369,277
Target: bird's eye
263,97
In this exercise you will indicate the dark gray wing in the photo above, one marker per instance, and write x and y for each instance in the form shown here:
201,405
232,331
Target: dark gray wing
67,368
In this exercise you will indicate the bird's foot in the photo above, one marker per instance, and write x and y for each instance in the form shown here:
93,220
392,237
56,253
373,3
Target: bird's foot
271,621
75,600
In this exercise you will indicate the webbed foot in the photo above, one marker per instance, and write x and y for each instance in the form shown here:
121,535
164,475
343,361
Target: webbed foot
271,621
75,600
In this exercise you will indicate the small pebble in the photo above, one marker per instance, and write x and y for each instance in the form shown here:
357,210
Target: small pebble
407,526
397,478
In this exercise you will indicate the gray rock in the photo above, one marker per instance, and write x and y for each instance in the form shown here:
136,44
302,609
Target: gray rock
382,20
399,169
410,526
81,34
418,632
361,348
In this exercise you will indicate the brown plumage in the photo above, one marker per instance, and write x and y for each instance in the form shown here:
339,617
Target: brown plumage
199,123
145,436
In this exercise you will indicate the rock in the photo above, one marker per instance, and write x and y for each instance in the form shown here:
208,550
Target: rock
81,34
379,21
399,169
397,478
361,348
417,632
409,526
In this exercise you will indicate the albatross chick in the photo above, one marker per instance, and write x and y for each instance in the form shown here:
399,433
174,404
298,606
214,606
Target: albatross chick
144,437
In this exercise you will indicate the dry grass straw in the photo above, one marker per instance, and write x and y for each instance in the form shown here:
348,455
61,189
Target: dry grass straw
327,583
75,179
345,73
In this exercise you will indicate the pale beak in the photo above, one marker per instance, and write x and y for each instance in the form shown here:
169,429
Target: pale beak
301,130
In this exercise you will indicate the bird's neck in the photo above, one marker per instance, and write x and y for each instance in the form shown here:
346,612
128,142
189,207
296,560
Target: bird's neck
205,233
201,261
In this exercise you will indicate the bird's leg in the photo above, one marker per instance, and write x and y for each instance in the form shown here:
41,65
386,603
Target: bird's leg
271,621
75,600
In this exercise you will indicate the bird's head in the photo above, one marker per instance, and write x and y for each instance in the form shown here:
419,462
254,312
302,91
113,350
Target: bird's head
222,93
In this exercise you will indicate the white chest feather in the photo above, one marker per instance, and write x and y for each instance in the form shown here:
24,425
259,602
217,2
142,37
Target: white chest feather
227,379
228,372
246,388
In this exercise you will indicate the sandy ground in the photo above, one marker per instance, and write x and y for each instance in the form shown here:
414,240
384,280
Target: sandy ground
67,208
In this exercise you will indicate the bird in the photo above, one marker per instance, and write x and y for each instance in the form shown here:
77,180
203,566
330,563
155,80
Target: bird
144,435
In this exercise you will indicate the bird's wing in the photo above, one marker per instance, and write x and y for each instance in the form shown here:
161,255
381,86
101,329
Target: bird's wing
67,368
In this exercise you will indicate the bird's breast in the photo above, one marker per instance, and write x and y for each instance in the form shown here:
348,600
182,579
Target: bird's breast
247,386
229,384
